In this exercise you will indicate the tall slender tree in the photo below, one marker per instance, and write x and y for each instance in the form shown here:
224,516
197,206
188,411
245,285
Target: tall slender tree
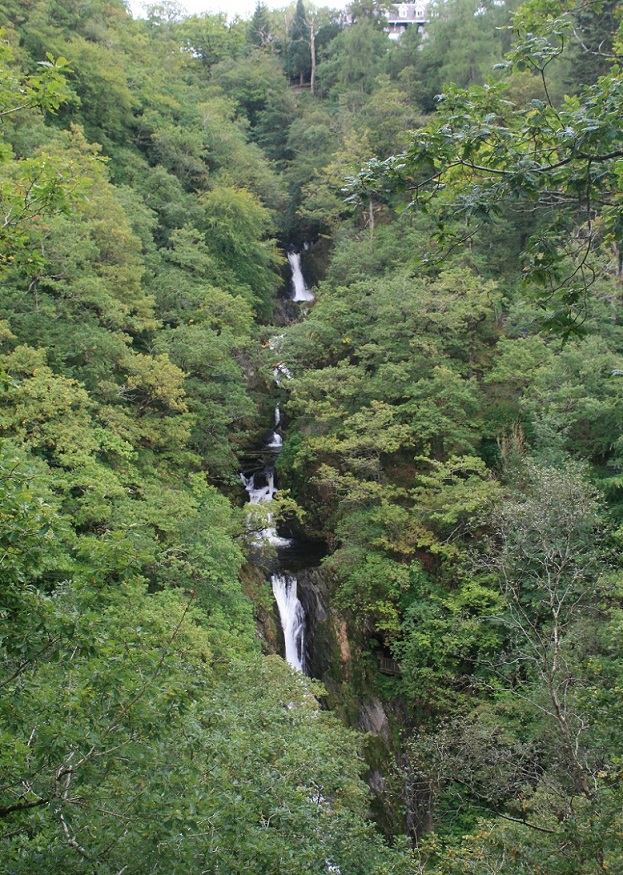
260,33
298,58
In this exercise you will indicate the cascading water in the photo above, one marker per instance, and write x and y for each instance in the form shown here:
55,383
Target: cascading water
291,612
279,370
276,441
292,618
300,290
260,495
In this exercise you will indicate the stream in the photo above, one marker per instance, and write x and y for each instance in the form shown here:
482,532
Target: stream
297,581
260,487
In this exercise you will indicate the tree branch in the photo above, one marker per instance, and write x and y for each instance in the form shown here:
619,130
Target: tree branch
23,806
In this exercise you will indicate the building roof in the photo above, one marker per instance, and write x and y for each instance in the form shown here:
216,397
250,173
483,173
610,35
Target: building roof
408,13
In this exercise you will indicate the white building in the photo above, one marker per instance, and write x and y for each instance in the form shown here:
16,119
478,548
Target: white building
405,15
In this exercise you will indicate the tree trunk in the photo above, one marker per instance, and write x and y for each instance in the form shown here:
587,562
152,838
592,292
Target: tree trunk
312,48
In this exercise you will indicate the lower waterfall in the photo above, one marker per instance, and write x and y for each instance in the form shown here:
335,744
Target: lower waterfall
300,290
292,618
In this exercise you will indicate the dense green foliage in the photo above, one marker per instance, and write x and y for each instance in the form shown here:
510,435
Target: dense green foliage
461,461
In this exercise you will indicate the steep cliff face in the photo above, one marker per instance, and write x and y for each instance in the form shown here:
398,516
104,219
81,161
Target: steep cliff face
325,658
335,656
302,621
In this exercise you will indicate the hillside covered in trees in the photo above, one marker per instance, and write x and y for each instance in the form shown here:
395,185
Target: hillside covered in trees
452,438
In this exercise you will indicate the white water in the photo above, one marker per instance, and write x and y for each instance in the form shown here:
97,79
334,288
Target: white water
291,611
292,618
281,369
299,287
260,495
276,441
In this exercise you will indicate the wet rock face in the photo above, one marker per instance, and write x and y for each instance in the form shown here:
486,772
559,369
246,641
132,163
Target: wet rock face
327,649
377,782
328,657
373,719
317,617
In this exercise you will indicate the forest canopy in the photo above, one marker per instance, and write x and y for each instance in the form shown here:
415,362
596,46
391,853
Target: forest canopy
451,429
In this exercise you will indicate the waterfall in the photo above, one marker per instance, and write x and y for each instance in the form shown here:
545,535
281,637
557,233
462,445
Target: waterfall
257,495
292,618
260,495
291,612
276,441
281,369
299,287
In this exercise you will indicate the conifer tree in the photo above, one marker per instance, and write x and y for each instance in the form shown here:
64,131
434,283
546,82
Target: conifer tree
260,31
298,60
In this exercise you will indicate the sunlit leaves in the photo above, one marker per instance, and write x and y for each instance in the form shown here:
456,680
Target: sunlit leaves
483,153
45,90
